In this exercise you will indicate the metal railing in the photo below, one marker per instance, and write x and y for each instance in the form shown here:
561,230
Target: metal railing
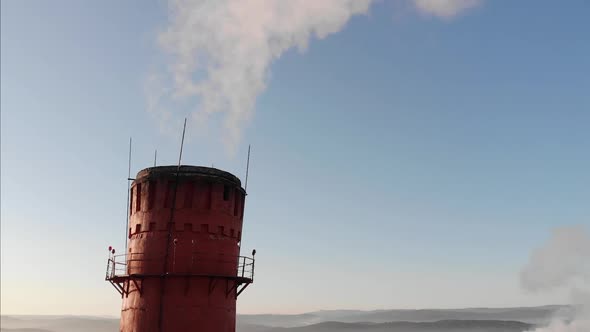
116,266
197,263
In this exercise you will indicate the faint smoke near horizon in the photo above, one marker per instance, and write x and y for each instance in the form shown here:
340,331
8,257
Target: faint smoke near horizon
219,52
563,262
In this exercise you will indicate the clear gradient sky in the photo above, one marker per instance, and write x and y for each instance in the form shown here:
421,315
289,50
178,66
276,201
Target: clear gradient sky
405,162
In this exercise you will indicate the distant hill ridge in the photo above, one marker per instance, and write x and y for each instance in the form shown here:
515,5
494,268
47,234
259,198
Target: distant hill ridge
530,315
444,325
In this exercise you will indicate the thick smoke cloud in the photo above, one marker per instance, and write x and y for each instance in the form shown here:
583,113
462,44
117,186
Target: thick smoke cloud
219,52
563,262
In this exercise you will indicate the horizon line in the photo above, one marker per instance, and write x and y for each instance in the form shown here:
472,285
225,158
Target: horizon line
305,312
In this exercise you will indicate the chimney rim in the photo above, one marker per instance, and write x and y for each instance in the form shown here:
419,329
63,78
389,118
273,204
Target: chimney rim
169,171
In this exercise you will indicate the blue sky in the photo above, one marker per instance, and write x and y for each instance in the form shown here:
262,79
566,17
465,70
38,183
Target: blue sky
406,161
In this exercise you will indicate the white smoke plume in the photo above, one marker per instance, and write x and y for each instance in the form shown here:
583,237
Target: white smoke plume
220,51
563,262
445,8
